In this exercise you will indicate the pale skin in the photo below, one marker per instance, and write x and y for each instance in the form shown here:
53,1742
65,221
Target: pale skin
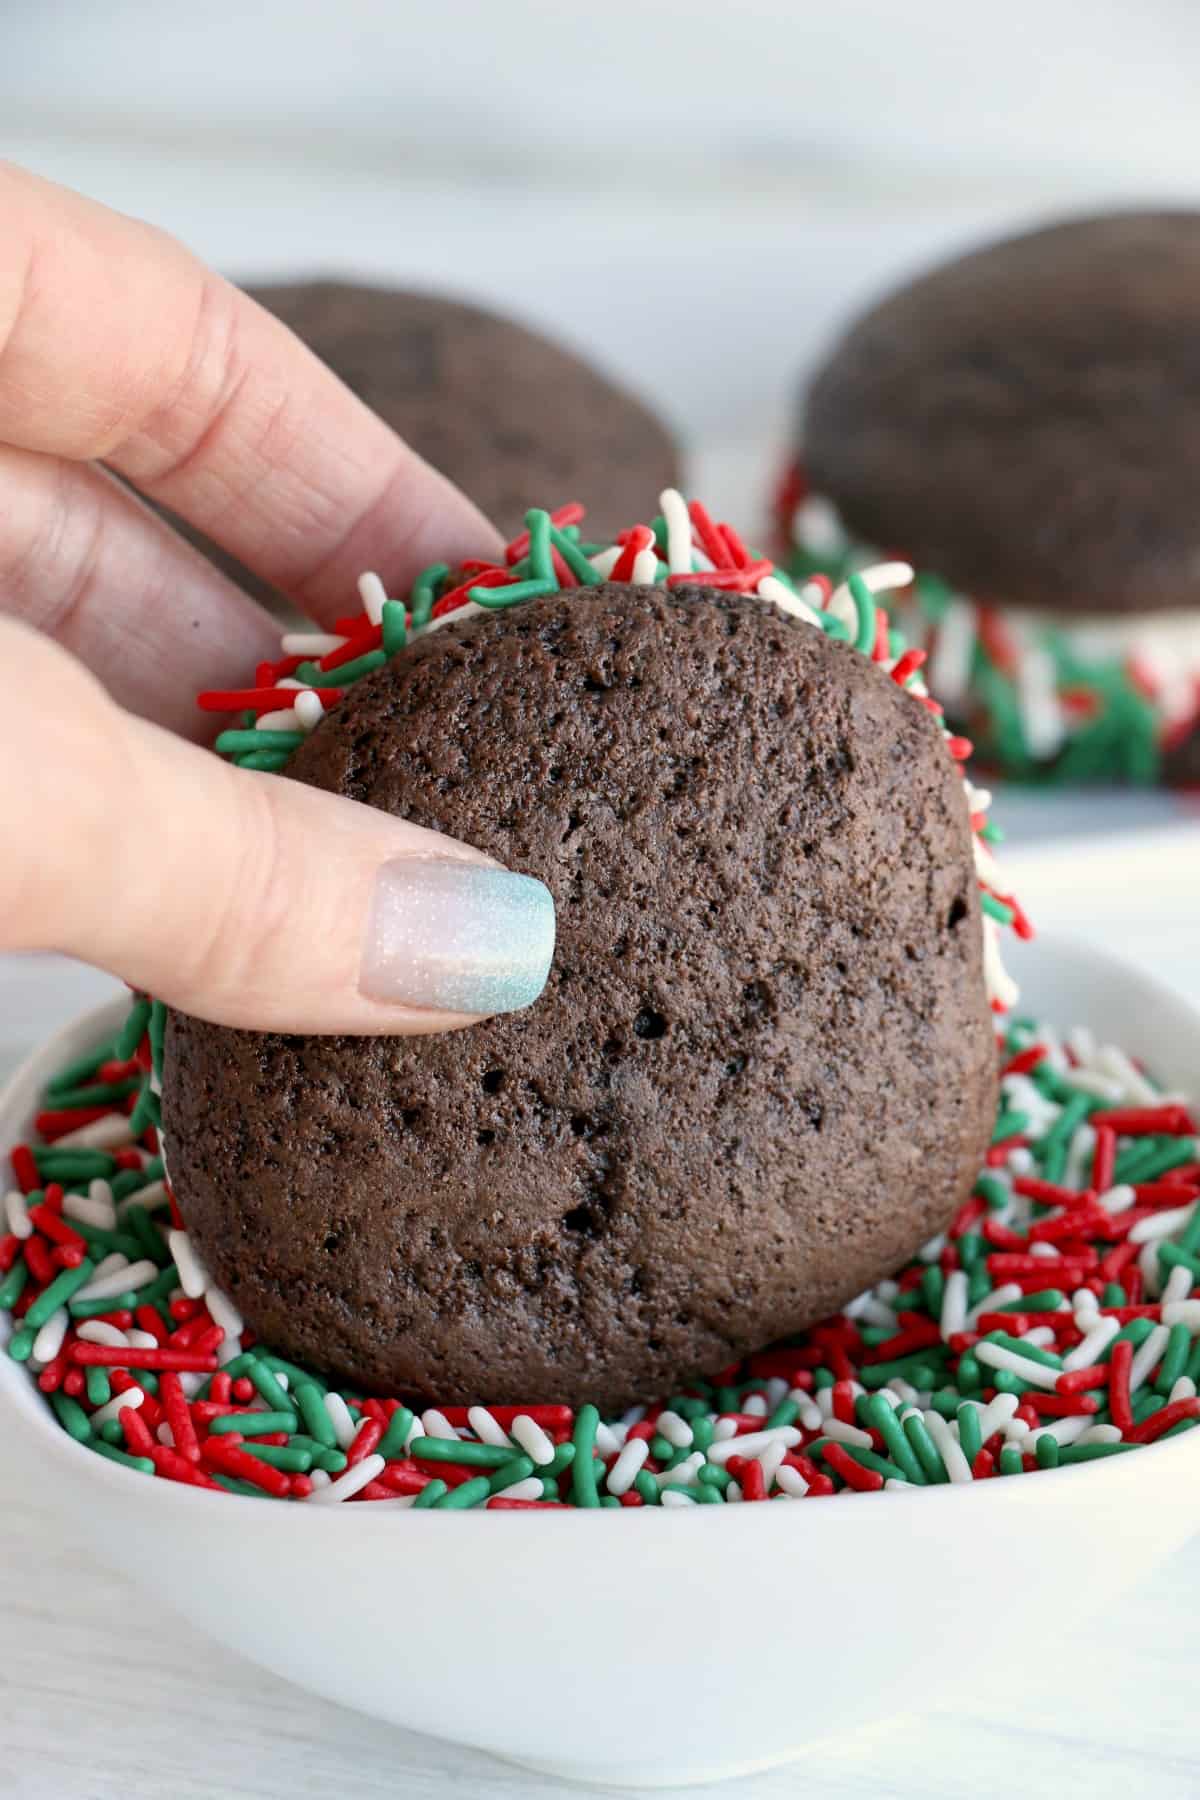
235,895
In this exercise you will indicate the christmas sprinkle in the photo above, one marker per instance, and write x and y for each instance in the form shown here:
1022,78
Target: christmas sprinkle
1056,1321
1057,699
682,546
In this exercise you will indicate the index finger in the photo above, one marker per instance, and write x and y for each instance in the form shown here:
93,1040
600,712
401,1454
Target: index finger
116,343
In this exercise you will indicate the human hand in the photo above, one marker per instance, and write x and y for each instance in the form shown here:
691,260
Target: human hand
238,896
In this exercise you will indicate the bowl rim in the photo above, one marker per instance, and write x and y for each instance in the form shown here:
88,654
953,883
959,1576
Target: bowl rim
27,1409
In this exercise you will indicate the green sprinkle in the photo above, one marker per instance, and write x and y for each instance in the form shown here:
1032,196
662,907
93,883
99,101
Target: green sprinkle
927,1451
391,1444
1004,915
430,1494
786,1413
883,1417
461,1450
834,628
276,1397
1010,1461
1175,1356
647,1487
292,1458
332,1461
1047,1450
1009,1125
497,598
20,1344
142,1464
1033,1352
424,591
541,564
1079,1453
864,606
13,1284
466,1495
74,1165
258,1423
574,557
94,1309
105,1093
394,621
233,1485
97,1386
71,1416
269,761
148,1111
969,1434
230,742
312,1410
140,1225
989,1187
84,1067
128,1038
516,1468
583,1476
58,1293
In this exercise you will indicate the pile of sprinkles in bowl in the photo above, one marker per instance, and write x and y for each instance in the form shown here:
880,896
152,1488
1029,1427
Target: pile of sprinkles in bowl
682,546
1051,699
1052,1323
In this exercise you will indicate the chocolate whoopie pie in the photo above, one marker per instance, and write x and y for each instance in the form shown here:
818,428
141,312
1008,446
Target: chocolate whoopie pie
1023,423
501,409
761,1074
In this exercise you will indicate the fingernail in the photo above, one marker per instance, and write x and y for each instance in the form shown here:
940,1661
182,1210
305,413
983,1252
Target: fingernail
457,936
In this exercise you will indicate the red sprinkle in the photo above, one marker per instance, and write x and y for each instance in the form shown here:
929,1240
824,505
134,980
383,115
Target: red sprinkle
867,1481
112,1356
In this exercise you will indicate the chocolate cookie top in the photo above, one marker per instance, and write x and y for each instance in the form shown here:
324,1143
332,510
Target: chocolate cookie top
502,410
762,1070
1025,420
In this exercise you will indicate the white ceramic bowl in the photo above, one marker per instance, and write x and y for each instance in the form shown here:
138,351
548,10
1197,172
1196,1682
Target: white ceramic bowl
646,1647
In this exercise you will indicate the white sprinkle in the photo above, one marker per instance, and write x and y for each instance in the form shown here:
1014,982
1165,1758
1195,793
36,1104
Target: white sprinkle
532,1439
1135,1088
191,1381
193,1276
824,1400
1100,1434
141,1340
645,566
165,1435
1179,1285
1118,1199
344,1427
607,560
904,1390
621,1475
1095,1343
16,1212
1182,1312
101,1213
1102,1087
770,1462
727,1428
398,1503
99,1331
672,1498
817,525
529,1489
1184,1388
998,1356
1161,1224
610,1439
107,1133
755,1406
308,709
950,664
310,643
752,1442
320,1478
131,1397
49,1340
1038,703
999,1297
684,1474
470,611
284,720
674,509
951,1451
997,1413
130,1275
227,1351
485,1427
810,1415
225,1314
352,1481
1040,1336
780,595
933,1249
1147,1356
1019,1161
1063,1431
151,1197
791,1481
841,1433
372,593
435,1424
894,1485
733,1494
676,1430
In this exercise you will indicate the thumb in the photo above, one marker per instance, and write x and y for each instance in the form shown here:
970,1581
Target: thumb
237,896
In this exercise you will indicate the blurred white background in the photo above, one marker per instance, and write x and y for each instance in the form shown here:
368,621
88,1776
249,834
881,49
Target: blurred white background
696,192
